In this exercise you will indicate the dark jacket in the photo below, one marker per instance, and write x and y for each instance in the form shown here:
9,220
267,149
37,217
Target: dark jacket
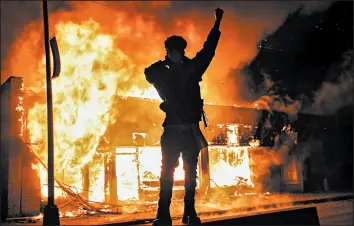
178,85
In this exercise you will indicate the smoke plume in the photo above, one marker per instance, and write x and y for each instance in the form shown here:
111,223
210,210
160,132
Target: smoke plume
337,93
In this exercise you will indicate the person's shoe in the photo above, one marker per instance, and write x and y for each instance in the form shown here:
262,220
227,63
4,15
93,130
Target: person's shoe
162,221
163,216
190,215
195,220
191,220
185,219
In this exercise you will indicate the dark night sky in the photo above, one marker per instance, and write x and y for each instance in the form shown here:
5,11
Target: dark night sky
310,42
16,14
302,50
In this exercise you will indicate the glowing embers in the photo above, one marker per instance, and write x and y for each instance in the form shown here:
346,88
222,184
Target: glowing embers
231,135
127,173
230,166
20,109
290,173
138,169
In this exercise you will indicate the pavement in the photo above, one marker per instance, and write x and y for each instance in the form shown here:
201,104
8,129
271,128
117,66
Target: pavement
336,213
330,208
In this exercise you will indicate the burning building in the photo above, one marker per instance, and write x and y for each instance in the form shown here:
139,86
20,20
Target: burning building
20,184
124,166
107,121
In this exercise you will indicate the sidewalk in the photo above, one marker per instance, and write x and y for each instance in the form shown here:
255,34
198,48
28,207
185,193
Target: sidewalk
221,206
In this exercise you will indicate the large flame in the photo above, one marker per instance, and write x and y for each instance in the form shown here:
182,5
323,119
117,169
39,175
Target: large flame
82,96
103,54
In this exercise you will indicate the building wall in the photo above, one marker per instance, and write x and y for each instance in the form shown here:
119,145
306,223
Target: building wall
286,177
30,184
19,182
6,143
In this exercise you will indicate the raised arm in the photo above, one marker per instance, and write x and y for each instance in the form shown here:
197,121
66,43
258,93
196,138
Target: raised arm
205,56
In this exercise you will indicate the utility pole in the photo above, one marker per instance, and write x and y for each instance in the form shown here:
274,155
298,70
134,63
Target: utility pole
51,212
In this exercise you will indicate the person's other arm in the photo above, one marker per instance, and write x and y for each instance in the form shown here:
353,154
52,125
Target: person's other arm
153,72
157,75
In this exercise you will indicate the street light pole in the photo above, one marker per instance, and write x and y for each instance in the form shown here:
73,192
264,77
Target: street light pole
51,212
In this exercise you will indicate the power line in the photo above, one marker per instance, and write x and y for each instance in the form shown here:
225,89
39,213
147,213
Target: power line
99,3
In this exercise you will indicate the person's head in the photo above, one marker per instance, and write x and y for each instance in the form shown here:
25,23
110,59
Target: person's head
175,46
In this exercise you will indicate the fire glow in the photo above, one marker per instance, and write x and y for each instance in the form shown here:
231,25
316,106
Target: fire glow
96,67
84,109
83,104
21,110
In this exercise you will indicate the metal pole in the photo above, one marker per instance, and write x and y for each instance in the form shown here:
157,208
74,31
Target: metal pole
51,212
49,109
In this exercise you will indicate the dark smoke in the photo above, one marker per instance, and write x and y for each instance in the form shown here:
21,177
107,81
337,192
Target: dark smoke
338,93
302,79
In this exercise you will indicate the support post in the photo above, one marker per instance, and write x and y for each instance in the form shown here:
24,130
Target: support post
106,177
138,170
113,196
85,181
204,170
51,212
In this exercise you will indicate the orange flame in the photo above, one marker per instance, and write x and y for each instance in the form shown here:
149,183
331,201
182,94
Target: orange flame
21,110
103,55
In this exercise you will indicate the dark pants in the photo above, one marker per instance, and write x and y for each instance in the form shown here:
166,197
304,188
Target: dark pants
174,141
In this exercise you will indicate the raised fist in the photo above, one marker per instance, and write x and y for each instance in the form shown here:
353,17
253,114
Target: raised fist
219,13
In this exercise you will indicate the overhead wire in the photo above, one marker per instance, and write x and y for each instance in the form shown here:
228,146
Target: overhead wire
104,5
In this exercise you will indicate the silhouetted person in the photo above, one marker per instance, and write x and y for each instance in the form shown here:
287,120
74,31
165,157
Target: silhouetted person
177,81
